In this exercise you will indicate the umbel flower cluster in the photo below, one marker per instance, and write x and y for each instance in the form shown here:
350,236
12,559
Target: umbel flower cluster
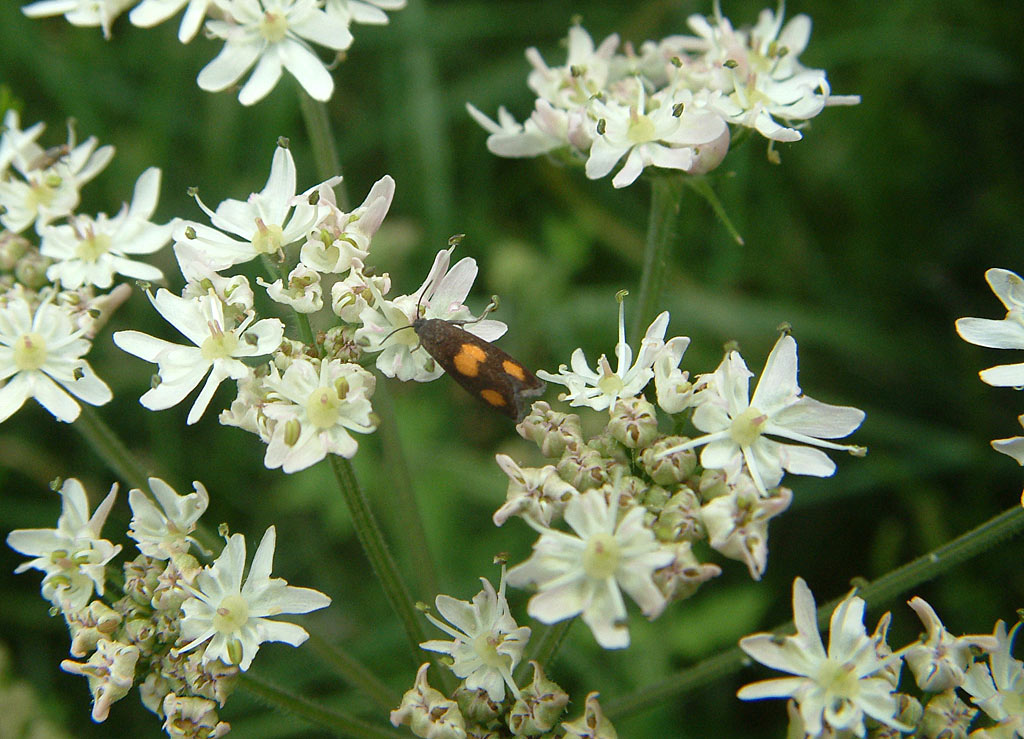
177,629
637,500
669,103
850,688
266,36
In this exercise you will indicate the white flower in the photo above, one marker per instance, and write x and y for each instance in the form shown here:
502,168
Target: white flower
303,292
665,131
584,574
736,427
110,671
1013,446
217,349
543,131
364,11
340,239
674,390
600,389
50,184
149,13
273,34
16,144
737,523
231,616
72,556
939,660
440,296
585,73
86,13
314,411
90,251
834,690
266,221
536,494
161,534
358,291
487,642
1007,333
40,354
998,687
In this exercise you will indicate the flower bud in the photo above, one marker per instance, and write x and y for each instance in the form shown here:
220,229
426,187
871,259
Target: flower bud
592,724
476,706
634,422
679,519
540,705
550,430
668,469
427,712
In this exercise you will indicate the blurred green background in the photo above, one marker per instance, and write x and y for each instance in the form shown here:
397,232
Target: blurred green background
870,238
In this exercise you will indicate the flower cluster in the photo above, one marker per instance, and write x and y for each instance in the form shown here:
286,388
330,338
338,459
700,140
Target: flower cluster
486,647
1006,333
270,35
852,686
57,267
638,500
179,630
669,104
303,398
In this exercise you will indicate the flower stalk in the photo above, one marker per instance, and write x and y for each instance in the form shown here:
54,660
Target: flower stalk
666,194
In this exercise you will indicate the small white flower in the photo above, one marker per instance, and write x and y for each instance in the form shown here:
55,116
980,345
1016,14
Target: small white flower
737,523
72,556
41,357
231,616
600,389
939,660
110,671
1007,333
85,13
303,292
217,348
16,144
487,642
273,35
543,131
313,412
149,13
364,11
736,426
357,292
583,574
162,532
674,390
267,221
585,73
90,251
834,690
341,239
536,494
440,296
998,687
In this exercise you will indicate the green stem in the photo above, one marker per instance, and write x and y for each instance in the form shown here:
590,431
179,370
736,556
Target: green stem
377,552
355,673
336,721
888,586
546,647
325,151
666,192
111,449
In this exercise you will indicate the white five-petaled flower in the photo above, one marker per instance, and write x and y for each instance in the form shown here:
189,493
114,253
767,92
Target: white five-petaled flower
736,426
939,660
72,556
89,251
41,357
1007,333
163,531
232,617
274,35
584,573
487,642
314,410
266,222
440,296
833,689
216,349
998,687
600,389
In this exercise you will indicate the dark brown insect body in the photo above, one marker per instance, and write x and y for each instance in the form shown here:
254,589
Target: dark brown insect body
479,366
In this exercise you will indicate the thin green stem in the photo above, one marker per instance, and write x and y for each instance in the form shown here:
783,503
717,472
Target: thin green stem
325,151
546,647
888,586
377,552
109,447
336,721
355,673
666,192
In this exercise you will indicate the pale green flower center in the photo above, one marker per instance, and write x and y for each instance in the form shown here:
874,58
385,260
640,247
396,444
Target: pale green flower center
219,345
268,239
747,426
41,195
29,352
231,614
484,646
839,681
273,26
92,247
641,128
610,385
601,557
323,407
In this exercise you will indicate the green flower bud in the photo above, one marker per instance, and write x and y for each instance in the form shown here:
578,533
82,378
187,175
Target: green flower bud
671,468
550,430
634,422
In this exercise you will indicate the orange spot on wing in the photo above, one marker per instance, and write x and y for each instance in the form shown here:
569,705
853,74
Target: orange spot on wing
493,397
467,361
514,369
